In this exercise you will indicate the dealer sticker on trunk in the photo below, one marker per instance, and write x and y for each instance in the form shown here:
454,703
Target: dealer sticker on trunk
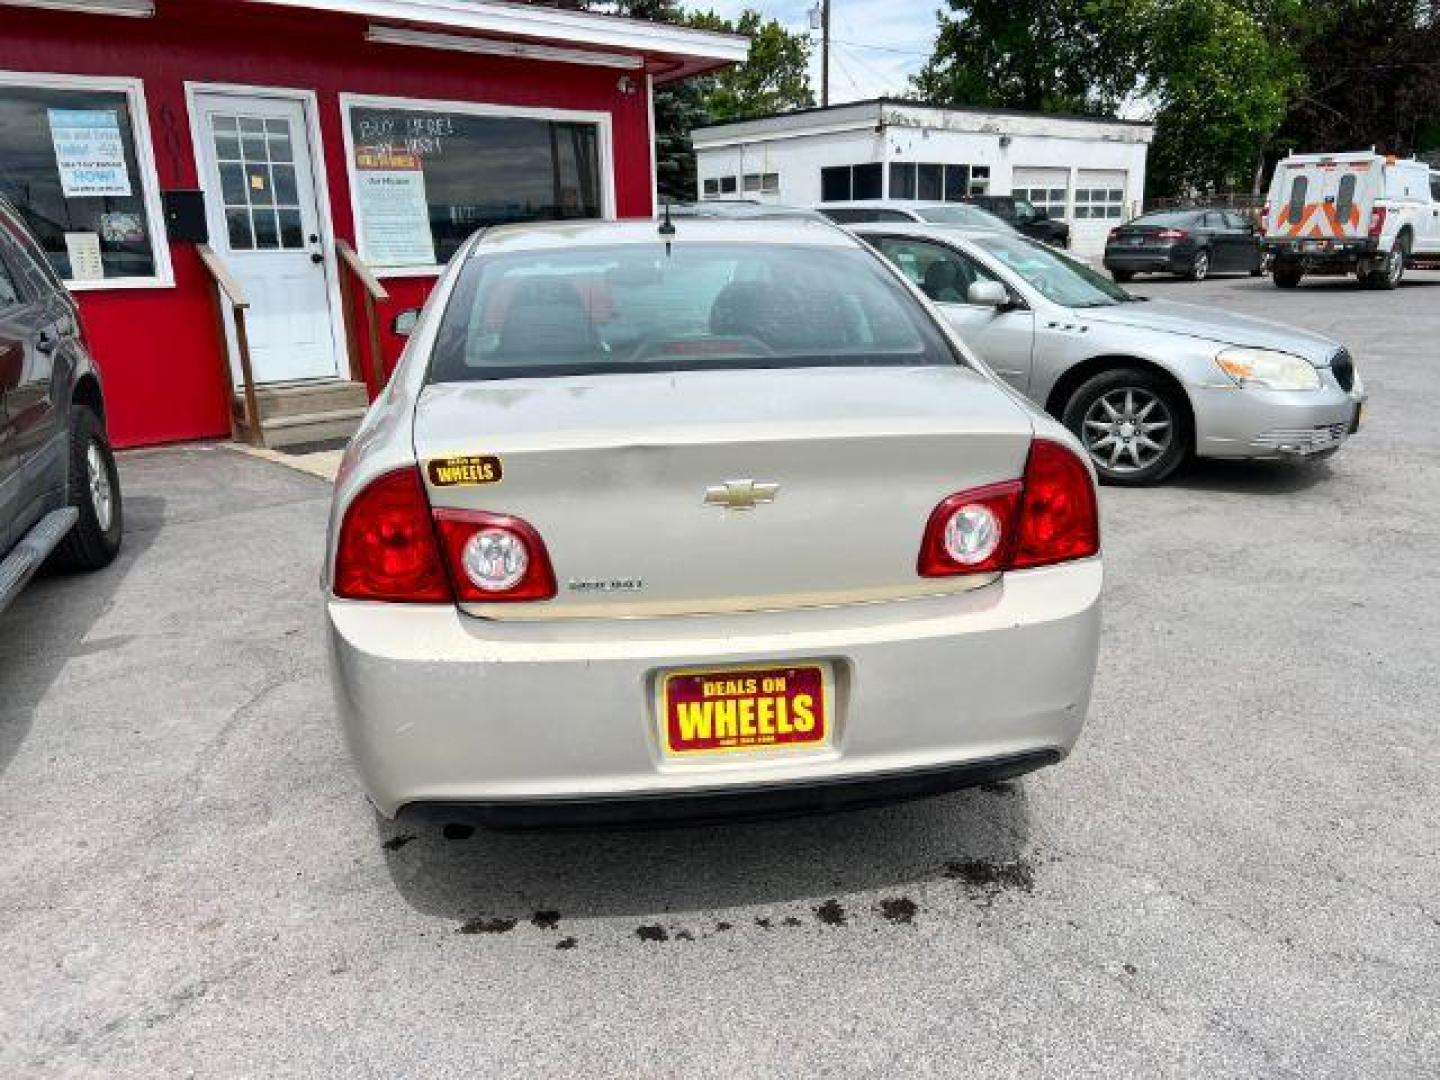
465,471
745,709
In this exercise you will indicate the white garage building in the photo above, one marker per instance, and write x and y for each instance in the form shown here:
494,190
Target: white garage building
1088,171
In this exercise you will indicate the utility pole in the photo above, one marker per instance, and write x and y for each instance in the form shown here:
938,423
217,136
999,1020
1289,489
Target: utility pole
820,20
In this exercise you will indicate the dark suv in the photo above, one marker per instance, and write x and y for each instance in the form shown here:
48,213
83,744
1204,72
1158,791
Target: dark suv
1025,216
59,493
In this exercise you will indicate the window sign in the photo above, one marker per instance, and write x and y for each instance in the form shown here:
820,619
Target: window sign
424,177
394,213
74,162
89,152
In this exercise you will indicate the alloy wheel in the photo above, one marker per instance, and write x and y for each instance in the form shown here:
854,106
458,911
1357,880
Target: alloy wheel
1127,430
102,497
1200,269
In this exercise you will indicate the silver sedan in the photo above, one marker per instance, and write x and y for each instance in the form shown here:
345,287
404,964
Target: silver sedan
1143,383
715,518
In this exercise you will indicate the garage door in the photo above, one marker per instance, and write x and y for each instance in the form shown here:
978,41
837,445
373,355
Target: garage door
1099,207
1046,188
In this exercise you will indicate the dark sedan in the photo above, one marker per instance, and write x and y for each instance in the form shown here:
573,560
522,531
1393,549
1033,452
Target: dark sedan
1188,243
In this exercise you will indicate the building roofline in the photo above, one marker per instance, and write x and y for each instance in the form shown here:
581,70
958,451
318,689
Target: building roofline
971,110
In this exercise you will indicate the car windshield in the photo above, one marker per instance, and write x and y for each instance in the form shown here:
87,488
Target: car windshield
677,307
970,217
1059,279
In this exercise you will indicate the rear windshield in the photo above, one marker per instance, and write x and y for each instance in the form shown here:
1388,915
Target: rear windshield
638,308
1166,218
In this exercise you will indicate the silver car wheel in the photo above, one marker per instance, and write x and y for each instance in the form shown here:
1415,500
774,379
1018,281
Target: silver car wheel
102,498
1127,430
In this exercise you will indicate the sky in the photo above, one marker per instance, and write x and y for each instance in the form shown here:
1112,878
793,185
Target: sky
875,45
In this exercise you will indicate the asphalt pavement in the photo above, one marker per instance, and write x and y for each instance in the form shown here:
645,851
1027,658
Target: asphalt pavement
1235,874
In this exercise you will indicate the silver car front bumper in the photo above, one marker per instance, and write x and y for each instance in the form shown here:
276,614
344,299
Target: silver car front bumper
443,708
1244,422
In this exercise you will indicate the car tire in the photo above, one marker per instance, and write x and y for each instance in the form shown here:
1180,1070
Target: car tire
1199,268
1286,273
1098,408
1122,276
94,486
1391,272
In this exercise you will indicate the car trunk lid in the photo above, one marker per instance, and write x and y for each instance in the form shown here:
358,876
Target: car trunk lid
723,490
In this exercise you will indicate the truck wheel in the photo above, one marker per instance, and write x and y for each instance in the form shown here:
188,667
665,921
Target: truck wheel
1286,273
1391,272
1133,425
1199,266
94,487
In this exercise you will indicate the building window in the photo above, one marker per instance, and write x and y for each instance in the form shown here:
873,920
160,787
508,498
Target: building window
839,183
931,182
979,179
712,186
77,165
425,175
1093,203
1049,199
762,183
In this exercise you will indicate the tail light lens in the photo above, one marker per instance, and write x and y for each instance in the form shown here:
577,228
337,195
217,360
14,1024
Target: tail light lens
1377,221
494,557
1049,516
393,548
387,548
1172,234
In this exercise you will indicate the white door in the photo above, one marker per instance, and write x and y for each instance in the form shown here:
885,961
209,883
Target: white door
264,224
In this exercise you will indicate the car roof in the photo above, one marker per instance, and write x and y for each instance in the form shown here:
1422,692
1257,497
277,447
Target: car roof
549,235
946,230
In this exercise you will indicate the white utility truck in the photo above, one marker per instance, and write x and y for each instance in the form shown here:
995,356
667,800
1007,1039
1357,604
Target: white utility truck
1363,213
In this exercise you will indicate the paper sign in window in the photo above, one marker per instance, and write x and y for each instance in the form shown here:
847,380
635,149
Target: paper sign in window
89,152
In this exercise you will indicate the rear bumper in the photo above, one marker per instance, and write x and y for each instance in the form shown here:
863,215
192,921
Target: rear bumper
519,718
1163,261
1321,255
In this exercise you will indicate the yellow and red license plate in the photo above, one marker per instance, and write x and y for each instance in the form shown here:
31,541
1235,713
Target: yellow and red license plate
760,708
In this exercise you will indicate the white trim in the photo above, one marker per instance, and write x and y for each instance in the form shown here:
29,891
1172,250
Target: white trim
604,143
319,176
389,35
654,165
547,23
130,9
134,91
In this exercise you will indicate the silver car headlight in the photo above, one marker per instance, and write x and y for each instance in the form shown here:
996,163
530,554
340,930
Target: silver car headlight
1269,369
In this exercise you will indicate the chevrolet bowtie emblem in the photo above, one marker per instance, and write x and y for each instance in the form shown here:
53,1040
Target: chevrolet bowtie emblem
740,494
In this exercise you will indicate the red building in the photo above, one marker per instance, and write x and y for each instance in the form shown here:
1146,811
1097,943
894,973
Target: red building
285,134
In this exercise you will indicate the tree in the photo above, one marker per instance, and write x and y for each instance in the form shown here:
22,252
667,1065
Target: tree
774,78
1041,55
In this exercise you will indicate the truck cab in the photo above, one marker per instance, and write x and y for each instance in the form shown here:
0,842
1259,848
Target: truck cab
1362,213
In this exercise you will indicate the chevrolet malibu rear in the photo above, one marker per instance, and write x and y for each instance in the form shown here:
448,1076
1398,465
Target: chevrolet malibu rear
713,521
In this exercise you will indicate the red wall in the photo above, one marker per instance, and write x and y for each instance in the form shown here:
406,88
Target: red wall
163,368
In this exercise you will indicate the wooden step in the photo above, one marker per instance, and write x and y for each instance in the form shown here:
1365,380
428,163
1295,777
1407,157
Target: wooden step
321,426
306,399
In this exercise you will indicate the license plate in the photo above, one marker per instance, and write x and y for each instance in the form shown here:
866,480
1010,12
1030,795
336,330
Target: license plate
760,708
1315,245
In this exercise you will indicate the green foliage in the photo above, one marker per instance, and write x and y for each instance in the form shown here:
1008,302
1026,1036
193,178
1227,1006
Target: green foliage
774,78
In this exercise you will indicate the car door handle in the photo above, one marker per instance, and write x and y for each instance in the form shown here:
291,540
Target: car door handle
46,342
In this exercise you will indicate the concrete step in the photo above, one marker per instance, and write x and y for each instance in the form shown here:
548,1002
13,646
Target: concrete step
306,399
283,431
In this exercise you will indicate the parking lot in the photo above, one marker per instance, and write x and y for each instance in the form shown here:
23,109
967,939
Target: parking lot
1235,874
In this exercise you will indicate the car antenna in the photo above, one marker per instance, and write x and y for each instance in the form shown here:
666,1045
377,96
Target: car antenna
667,228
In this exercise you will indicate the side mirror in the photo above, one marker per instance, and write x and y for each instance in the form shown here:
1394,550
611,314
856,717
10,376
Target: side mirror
403,325
987,294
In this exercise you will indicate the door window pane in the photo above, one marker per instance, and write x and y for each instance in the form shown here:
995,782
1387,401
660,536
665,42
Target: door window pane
232,183
285,191
69,165
237,225
425,179
267,232
257,181
292,235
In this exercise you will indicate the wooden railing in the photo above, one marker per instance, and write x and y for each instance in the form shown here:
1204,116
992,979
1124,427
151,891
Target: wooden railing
228,293
354,270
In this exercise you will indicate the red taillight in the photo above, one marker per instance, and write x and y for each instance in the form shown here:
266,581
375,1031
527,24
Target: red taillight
1049,516
1172,234
1059,520
494,557
387,548
1377,221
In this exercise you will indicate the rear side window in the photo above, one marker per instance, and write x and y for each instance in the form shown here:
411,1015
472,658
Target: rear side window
9,292
1345,197
636,307
1299,187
